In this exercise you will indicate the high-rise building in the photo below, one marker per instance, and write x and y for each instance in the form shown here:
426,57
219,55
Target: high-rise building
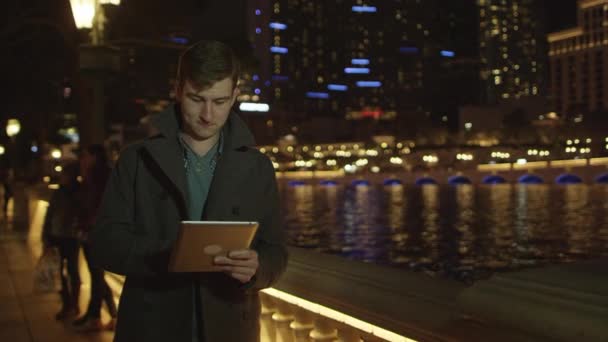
512,49
579,62
355,59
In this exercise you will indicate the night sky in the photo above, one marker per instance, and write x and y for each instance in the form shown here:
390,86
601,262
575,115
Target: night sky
560,14
35,61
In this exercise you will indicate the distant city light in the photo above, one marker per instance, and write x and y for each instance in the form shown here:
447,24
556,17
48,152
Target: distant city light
588,141
569,142
359,61
408,49
277,26
58,168
255,77
375,169
337,87
67,92
258,30
258,12
501,155
254,107
257,91
364,9
369,84
430,159
317,95
179,40
34,148
56,153
447,53
280,78
521,161
111,2
361,162
468,126
350,168
2,150
278,49
396,160
464,156
356,70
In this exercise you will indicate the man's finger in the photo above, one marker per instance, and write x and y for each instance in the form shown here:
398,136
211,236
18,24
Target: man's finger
236,262
248,271
242,254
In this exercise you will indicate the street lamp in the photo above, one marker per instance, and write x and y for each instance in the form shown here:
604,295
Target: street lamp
13,127
97,62
84,12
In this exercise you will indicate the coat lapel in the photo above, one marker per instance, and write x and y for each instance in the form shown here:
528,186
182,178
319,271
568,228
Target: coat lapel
169,157
231,171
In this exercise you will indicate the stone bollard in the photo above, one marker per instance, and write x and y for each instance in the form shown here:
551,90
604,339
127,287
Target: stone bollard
347,333
324,330
267,326
302,325
282,319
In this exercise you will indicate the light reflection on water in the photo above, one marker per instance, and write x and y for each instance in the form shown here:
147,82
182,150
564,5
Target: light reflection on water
463,232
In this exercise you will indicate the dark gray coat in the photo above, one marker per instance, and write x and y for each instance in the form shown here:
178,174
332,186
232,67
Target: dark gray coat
145,199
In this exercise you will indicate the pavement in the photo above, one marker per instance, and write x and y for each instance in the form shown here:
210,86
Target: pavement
25,315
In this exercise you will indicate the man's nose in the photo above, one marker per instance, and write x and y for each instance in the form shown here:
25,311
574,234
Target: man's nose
206,109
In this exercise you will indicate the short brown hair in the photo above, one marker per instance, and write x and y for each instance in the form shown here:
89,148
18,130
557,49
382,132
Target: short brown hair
207,62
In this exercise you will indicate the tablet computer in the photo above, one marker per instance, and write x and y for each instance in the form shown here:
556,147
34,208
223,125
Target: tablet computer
198,242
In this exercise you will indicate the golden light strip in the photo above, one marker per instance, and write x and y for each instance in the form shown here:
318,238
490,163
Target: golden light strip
531,165
494,167
592,3
568,162
565,34
598,161
337,316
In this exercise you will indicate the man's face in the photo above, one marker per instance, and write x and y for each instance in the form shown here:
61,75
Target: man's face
205,110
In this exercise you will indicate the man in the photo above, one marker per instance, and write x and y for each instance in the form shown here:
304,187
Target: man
201,166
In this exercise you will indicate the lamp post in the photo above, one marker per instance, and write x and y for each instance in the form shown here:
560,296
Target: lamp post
13,127
97,64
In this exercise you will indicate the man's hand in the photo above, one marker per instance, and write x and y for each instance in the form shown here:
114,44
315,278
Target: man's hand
240,264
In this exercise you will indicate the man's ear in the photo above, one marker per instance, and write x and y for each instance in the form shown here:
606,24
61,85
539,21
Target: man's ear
235,93
178,90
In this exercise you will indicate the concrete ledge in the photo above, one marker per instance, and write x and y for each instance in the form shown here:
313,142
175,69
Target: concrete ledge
407,303
563,302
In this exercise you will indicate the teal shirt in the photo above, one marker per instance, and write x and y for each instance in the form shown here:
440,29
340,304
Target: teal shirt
199,173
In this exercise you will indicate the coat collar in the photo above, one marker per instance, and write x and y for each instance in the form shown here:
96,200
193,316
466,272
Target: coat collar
168,154
235,131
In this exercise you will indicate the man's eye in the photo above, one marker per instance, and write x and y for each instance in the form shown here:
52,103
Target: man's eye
220,102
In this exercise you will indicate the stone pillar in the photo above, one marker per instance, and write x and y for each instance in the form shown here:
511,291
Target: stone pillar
347,333
282,319
267,326
325,330
302,324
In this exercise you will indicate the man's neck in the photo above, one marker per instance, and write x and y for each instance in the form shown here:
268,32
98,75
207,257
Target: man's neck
200,147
